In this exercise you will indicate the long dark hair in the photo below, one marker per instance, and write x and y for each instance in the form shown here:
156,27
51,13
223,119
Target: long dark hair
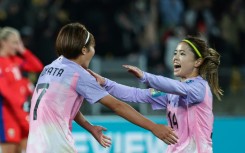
208,70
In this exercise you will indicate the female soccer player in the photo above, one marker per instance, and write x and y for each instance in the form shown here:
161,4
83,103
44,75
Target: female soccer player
188,102
15,90
60,91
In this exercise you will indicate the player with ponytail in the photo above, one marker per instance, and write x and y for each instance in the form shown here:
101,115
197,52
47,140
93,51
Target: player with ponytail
187,101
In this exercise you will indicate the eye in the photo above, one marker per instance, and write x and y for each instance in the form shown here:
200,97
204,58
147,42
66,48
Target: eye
175,53
182,53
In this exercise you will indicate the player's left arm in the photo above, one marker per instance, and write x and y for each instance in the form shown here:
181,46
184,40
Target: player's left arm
157,99
193,89
96,131
125,93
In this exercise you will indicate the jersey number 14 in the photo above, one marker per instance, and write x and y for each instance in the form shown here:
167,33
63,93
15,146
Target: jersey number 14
172,119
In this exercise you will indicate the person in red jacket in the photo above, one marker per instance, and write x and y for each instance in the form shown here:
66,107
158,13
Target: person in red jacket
15,90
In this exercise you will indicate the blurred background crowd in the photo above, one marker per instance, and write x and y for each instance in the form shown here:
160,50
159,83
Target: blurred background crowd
152,28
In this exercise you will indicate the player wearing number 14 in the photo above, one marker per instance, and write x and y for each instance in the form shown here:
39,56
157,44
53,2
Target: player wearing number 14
188,102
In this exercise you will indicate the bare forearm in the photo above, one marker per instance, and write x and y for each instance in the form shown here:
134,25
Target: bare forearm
126,111
135,117
80,120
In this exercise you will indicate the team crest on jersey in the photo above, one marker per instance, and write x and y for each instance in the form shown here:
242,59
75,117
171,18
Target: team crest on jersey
156,93
189,81
11,132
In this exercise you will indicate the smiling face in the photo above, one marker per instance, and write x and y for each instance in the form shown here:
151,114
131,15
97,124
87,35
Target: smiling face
185,64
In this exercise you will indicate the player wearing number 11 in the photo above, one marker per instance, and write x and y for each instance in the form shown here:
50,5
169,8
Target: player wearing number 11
60,91
188,102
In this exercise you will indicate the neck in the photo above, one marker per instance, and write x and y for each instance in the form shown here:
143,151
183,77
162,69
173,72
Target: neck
192,75
76,61
79,60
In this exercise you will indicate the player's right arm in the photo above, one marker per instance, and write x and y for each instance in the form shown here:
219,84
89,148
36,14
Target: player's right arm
124,110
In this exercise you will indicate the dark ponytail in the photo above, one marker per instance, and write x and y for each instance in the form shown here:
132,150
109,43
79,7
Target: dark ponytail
208,70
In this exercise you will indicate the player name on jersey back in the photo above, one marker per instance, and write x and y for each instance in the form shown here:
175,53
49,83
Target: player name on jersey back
52,71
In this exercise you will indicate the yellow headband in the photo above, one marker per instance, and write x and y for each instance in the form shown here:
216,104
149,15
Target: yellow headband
194,47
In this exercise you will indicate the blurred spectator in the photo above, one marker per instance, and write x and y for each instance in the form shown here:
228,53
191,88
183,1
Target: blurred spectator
232,40
15,90
199,18
133,27
132,19
171,12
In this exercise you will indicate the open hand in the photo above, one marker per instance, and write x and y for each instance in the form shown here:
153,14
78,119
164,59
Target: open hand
103,140
165,133
99,78
134,70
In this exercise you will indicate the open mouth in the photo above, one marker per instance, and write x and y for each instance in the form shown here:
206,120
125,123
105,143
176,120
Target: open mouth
177,67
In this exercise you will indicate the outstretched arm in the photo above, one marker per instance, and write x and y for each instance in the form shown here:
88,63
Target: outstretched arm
124,110
195,89
157,99
134,70
96,131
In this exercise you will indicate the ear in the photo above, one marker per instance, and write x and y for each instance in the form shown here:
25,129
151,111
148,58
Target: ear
198,62
84,50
